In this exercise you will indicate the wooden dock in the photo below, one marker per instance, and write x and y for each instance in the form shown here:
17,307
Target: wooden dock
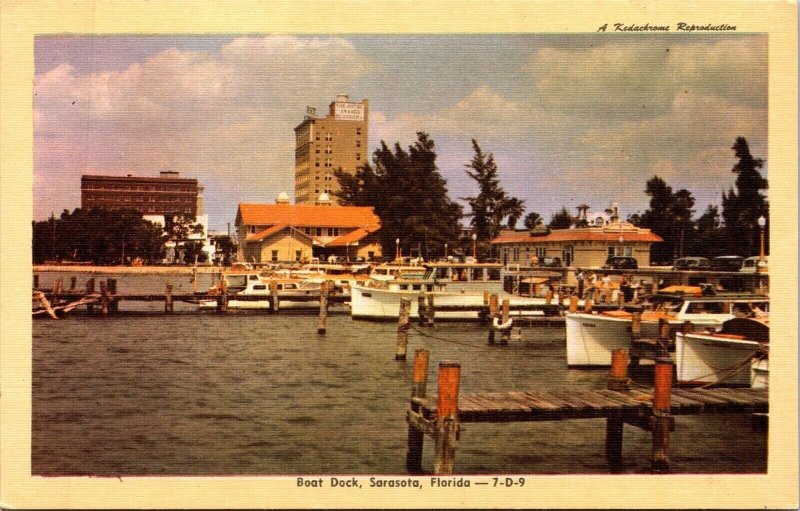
649,409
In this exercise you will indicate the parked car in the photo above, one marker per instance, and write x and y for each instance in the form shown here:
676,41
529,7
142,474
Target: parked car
727,263
752,264
621,263
691,263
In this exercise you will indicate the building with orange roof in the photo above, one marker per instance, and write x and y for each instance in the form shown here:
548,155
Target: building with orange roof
576,247
284,232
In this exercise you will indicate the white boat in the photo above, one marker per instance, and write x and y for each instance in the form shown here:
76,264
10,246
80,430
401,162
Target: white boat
252,292
451,284
734,355
592,337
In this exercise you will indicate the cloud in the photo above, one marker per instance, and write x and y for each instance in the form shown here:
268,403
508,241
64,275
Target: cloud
210,115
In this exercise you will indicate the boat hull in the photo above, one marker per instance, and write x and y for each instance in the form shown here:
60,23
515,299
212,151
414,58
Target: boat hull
369,303
704,359
592,337
759,373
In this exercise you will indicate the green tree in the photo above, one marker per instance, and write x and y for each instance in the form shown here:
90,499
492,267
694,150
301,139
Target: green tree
491,208
669,216
710,235
561,219
97,235
742,208
533,219
409,196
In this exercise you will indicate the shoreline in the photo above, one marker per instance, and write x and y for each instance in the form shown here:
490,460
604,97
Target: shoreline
133,270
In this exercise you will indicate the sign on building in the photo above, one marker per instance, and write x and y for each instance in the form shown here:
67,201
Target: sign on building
349,111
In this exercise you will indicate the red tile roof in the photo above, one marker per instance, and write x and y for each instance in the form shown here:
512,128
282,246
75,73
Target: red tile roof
352,237
306,215
641,236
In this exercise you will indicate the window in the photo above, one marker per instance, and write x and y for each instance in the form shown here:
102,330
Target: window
371,255
541,252
317,151
319,231
567,254
358,156
274,256
298,254
516,254
358,143
252,229
358,131
317,164
329,136
317,137
619,250
316,178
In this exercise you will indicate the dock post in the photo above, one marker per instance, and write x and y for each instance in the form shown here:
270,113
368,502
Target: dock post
419,383
492,314
548,298
56,287
573,304
113,301
274,301
663,334
636,324
431,312
403,324
421,308
168,299
222,301
505,335
447,417
587,305
73,282
661,416
617,380
39,295
36,282
323,307
194,279
90,290
620,298
103,298
687,327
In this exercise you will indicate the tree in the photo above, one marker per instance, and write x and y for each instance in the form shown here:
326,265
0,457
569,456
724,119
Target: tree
409,196
561,220
491,206
669,216
710,235
97,235
742,208
532,220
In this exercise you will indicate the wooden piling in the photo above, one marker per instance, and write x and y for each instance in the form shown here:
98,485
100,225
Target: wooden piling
419,382
323,308
663,329
573,304
661,419
493,306
421,308
103,298
222,302
90,290
431,312
274,301
549,296
39,295
73,282
403,325
618,377
113,302
447,417
614,434
620,298
194,279
505,335
57,287
36,283
587,305
636,324
168,299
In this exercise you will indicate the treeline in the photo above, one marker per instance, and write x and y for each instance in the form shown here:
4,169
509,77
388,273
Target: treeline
105,237
411,199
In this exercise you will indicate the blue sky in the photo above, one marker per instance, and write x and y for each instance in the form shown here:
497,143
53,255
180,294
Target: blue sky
570,118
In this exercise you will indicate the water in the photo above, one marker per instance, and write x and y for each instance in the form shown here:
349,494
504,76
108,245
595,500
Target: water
208,394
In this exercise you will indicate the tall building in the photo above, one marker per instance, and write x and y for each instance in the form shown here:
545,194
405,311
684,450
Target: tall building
323,145
161,195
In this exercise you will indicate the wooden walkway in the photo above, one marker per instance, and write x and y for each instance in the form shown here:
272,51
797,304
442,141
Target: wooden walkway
516,406
650,409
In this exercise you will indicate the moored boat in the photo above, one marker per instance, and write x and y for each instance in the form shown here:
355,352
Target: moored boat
734,355
592,337
253,291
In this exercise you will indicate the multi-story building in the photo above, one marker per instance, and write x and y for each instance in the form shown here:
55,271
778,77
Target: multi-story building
284,232
324,145
166,194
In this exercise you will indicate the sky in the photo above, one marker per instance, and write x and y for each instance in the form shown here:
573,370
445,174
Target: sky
570,118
